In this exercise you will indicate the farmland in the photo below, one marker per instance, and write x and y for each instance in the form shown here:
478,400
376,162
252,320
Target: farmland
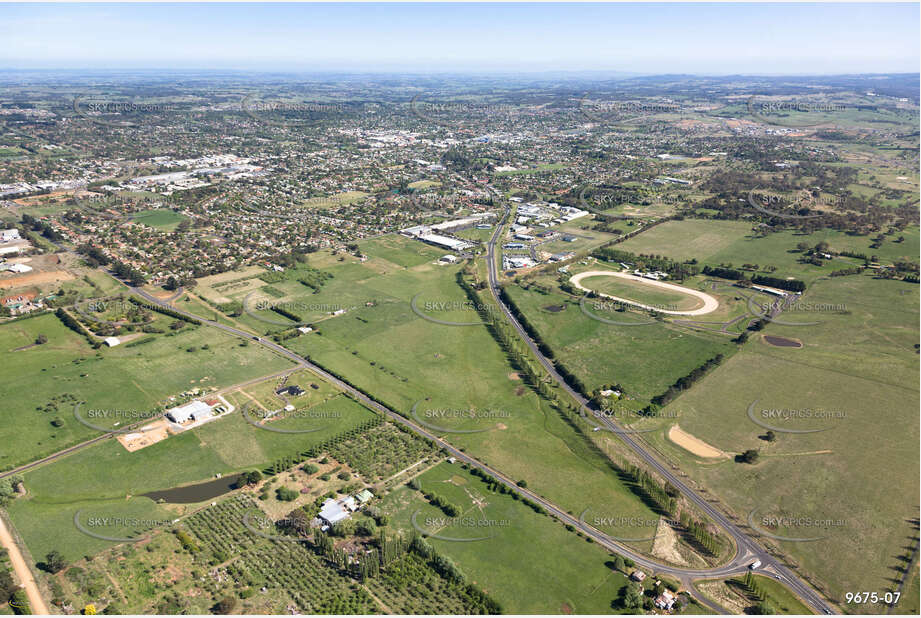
530,563
225,446
48,380
458,369
861,410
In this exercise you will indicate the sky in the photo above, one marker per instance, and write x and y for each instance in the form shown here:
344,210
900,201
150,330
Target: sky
714,39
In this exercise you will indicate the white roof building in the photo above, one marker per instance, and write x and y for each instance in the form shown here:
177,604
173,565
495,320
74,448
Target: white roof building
332,512
194,411
112,341
9,235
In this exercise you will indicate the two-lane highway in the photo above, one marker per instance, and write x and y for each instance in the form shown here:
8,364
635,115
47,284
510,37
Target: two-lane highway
747,549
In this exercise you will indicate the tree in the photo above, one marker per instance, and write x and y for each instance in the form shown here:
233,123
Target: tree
225,605
631,598
770,436
54,562
619,564
750,456
41,339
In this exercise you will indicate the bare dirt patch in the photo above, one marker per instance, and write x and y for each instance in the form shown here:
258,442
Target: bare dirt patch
36,278
514,376
151,434
665,545
694,445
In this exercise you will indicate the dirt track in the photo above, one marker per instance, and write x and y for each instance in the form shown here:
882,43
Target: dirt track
710,303
22,571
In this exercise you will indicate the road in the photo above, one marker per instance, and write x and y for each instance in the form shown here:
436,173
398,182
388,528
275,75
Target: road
747,550
21,568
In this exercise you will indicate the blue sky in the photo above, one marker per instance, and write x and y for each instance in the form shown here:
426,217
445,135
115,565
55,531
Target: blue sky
635,38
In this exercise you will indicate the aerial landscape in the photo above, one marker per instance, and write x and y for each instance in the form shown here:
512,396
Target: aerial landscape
454,309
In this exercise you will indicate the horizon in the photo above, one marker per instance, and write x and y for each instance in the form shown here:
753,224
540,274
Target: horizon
698,39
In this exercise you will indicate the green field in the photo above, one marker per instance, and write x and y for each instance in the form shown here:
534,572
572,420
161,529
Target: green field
46,381
160,218
404,359
644,359
733,242
108,477
530,563
642,293
866,409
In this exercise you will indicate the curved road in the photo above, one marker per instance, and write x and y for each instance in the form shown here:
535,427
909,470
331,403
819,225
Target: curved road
747,550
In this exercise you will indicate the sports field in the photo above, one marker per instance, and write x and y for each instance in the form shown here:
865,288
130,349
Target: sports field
161,218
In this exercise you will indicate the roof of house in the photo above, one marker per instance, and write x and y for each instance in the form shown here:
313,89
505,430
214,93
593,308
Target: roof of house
364,495
332,511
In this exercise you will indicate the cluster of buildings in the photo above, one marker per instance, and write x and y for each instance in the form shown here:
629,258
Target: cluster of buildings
335,511
26,302
201,170
437,234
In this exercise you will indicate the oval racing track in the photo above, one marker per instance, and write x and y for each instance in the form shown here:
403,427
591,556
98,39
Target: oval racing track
710,303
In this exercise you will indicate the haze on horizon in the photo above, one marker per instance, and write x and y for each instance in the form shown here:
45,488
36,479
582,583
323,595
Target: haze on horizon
714,39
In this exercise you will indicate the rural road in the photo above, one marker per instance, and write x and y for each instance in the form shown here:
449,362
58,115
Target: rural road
747,549
22,571
710,303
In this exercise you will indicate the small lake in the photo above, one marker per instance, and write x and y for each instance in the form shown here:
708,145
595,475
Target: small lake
195,493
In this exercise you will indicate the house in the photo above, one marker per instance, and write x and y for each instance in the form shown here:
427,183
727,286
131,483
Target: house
192,411
9,235
449,259
305,329
666,600
364,496
350,504
293,390
332,512
17,268
637,575
112,341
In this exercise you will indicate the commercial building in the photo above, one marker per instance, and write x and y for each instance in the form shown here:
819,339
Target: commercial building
192,411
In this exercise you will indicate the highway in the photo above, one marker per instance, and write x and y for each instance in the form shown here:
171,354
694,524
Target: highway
747,550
